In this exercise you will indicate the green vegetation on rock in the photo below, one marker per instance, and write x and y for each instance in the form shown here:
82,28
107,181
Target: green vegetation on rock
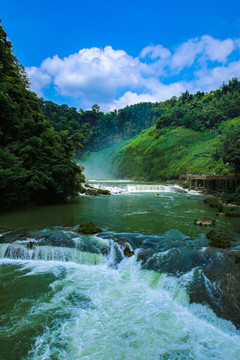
89,228
220,239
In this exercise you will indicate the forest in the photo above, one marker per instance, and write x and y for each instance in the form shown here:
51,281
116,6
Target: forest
36,162
39,139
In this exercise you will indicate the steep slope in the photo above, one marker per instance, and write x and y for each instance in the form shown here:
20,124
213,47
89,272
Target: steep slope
169,152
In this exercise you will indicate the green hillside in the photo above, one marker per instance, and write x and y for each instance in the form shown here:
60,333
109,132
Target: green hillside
166,153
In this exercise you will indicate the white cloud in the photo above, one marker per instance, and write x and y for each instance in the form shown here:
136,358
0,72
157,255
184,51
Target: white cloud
160,92
217,50
38,79
94,73
205,48
155,52
114,79
210,79
186,53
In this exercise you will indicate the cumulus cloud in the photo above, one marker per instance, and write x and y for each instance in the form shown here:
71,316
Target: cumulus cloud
155,52
205,48
114,79
38,79
94,73
217,50
211,78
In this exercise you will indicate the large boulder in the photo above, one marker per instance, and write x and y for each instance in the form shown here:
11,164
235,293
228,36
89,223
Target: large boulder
89,228
220,239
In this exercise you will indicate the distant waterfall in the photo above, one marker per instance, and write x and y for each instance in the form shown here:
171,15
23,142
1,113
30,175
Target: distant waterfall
149,188
134,188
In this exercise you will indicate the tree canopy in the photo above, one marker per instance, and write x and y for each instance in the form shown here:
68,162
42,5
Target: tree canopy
36,165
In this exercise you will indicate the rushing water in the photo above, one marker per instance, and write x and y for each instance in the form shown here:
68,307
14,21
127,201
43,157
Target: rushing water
68,296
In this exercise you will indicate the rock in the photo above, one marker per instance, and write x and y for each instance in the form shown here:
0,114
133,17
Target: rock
91,192
89,228
205,221
181,191
214,203
220,214
31,243
82,190
220,239
103,192
127,251
231,211
58,239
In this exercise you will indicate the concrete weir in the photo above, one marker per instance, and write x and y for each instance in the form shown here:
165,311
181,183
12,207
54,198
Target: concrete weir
213,183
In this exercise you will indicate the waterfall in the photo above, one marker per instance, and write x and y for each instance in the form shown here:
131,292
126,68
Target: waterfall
17,251
135,188
149,188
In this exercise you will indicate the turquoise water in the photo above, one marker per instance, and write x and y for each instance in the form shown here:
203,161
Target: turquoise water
68,296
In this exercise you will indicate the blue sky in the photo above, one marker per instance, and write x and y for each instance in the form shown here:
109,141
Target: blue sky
116,53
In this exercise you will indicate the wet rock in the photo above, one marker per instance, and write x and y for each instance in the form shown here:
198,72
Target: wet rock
103,192
204,221
59,239
91,192
127,251
82,190
220,239
231,211
214,203
123,242
31,244
89,228
181,191
216,284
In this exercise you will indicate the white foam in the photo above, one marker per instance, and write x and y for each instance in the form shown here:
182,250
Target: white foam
130,314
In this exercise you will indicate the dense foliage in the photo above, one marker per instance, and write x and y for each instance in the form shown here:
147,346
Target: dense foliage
36,164
199,112
231,147
97,127
202,111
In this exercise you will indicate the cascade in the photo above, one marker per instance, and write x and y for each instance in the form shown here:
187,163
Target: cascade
17,251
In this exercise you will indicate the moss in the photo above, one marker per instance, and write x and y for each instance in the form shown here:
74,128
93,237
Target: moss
103,192
82,190
89,228
220,239
214,203
231,211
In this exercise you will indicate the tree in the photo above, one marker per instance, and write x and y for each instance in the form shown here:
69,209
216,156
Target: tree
36,162
231,148
96,108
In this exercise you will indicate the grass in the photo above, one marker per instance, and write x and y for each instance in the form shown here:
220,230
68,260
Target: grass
169,152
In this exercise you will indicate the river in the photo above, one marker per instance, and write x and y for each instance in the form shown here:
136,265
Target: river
70,296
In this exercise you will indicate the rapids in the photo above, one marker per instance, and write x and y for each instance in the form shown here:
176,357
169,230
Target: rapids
64,295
